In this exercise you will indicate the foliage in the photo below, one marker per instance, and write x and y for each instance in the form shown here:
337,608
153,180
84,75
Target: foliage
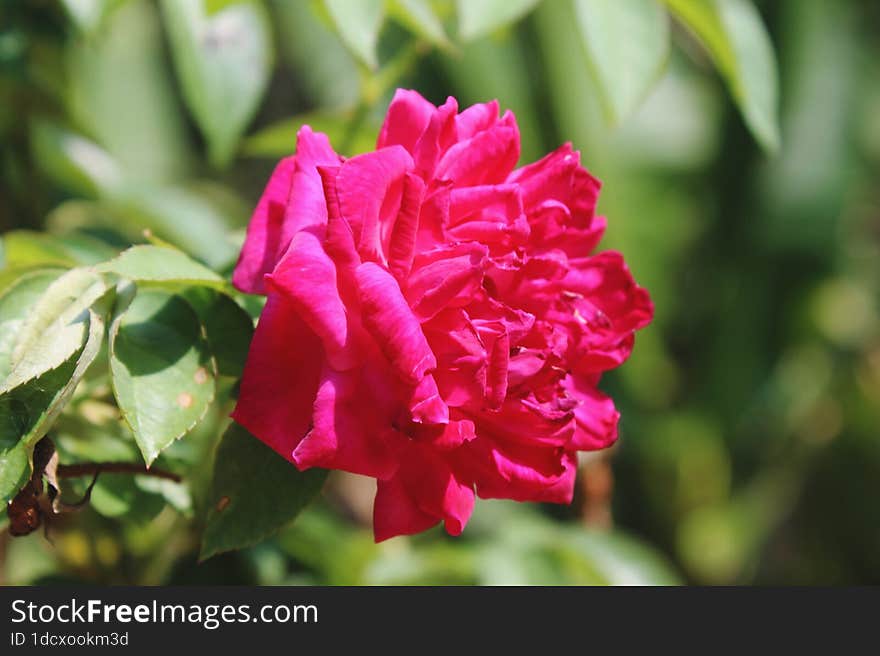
136,135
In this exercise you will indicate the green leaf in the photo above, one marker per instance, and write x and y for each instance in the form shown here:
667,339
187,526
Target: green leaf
88,15
55,327
28,411
121,496
120,91
15,303
14,470
73,161
620,560
477,18
213,6
734,35
279,139
229,328
418,16
160,366
358,23
627,44
254,493
223,62
159,265
193,218
28,247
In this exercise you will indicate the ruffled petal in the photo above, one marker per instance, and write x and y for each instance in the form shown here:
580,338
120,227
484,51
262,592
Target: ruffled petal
406,120
350,431
488,157
448,276
280,378
369,189
307,276
424,487
292,201
521,472
402,241
595,414
388,318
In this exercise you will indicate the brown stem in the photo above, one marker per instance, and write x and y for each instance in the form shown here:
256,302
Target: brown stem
92,468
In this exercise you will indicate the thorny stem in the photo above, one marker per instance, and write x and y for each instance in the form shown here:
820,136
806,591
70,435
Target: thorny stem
93,468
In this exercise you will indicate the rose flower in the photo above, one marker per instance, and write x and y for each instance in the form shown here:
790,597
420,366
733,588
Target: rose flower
436,319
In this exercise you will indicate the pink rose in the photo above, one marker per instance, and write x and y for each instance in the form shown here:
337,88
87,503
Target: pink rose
435,319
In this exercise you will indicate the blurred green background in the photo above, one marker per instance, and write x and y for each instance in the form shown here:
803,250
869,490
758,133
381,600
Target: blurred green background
749,450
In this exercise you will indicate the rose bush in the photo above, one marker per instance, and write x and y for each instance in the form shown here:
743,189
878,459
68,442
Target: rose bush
435,318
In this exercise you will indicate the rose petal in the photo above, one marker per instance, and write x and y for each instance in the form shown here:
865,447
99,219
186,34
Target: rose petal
280,377
486,158
350,430
406,120
307,276
369,188
293,200
388,318
595,414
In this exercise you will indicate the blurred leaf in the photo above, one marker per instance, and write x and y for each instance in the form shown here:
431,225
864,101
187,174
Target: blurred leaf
213,6
121,496
89,14
302,33
620,560
121,92
192,218
26,248
56,326
359,23
161,370
223,62
499,68
16,302
627,42
254,493
734,34
279,139
158,265
478,18
418,16
73,161
228,327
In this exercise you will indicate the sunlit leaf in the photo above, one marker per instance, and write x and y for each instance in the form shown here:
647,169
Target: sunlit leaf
161,266
254,493
619,559
192,218
478,18
359,23
55,327
161,368
223,62
418,16
120,92
627,44
279,139
27,248
28,411
734,35
89,14
73,161
16,301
